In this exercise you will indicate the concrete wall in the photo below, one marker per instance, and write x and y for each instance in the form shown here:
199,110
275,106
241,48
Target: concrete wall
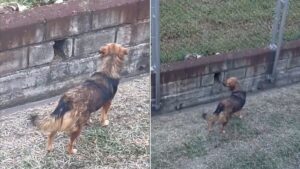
45,50
193,82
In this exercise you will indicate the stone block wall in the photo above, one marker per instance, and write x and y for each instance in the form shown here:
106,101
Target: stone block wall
193,82
45,50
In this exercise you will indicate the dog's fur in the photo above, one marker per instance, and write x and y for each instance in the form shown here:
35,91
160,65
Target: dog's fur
229,106
75,106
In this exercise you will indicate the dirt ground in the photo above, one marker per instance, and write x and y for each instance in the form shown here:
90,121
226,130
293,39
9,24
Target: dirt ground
123,144
268,137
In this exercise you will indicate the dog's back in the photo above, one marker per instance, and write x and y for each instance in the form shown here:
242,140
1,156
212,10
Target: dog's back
238,99
102,89
234,103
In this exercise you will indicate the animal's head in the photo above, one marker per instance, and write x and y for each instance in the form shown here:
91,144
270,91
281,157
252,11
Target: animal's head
115,50
232,83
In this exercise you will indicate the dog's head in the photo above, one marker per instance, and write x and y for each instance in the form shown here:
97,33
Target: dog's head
113,49
232,83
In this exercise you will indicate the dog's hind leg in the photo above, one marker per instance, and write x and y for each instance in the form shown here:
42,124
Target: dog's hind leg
50,141
223,120
104,114
73,137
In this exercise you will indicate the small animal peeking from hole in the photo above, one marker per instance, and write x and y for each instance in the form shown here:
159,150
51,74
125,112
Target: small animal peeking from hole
192,56
227,107
178,107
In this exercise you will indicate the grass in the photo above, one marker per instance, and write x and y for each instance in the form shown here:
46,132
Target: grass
276,158
28,3
123,144
266,138
211,26
195,147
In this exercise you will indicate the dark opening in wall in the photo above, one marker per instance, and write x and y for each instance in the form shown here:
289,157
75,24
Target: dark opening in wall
217,77
63,48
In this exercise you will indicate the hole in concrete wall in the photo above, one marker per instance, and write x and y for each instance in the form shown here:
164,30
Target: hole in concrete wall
60,49
217,77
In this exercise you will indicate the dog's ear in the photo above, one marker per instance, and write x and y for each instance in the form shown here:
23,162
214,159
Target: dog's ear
103,51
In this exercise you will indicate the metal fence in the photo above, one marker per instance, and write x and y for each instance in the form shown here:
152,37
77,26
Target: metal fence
205,27
155,54
292,28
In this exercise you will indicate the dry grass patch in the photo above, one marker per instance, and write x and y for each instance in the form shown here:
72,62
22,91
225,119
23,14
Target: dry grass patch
266,138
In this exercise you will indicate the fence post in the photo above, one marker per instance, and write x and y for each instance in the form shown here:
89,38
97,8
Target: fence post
277,34
155,51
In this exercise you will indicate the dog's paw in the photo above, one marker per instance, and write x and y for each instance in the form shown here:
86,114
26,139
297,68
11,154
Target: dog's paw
50,149
73,151
89,122
105,123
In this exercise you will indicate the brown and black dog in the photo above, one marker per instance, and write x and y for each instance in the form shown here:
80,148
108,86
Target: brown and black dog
229,106
75,106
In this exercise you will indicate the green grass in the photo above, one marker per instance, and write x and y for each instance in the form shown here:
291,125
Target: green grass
257,160
273,152
29,3
95,144
195,147
266,138
281,151
97,147
211,26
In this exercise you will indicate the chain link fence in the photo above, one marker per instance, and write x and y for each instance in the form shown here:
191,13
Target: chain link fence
206,27
292,27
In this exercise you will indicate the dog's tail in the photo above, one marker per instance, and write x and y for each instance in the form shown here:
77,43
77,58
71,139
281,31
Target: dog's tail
45,123
33,119
64,105
53,121
204,116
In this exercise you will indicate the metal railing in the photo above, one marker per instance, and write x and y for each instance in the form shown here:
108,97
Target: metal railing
277,33
155,53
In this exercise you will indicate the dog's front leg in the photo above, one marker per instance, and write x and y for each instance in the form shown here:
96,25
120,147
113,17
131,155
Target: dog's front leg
50,141
104,114
73,137
239,114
